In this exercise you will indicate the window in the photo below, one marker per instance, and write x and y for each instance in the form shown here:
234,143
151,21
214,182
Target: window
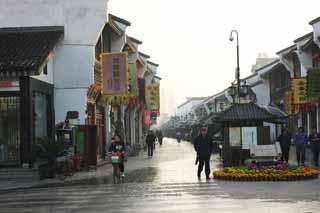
45,70
40,115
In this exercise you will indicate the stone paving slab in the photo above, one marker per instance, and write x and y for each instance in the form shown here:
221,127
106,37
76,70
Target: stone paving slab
162,168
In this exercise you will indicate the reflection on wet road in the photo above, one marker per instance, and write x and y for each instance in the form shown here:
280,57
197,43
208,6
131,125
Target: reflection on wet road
167,183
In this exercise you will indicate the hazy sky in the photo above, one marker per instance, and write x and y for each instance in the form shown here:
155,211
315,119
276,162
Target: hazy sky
190,39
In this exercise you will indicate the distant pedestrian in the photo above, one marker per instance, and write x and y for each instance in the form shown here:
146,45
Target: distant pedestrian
314,139
150,141
203,146
160,137
301,141
285,142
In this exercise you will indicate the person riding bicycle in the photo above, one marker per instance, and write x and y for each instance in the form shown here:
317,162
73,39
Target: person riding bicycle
118,147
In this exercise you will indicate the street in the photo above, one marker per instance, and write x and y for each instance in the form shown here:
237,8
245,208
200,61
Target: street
168,183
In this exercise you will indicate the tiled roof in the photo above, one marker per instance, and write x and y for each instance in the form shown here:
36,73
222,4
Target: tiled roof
245,112
25,49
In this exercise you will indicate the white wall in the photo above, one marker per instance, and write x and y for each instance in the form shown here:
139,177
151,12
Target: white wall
49,77
185,109
262,92
82,19
70,100
316,33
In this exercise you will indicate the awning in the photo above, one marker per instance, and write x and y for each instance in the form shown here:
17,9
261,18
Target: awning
25,50
250,112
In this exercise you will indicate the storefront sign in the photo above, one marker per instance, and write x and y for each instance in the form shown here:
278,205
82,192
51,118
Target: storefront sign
4,84
272,150
115,75
235,136
153,97
313,82
249,137
133,80
299,88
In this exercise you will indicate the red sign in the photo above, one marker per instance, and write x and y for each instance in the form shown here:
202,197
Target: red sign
5,84
114,70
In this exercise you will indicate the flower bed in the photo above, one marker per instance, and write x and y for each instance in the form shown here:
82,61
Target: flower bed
266,174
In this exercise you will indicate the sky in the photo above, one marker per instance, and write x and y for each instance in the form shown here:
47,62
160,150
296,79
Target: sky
190,39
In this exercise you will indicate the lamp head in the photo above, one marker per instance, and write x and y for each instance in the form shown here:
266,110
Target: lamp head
231,37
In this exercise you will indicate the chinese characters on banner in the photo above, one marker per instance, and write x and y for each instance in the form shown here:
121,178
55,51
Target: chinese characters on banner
153,97
146,118
288,102
114,71
299,88
313,85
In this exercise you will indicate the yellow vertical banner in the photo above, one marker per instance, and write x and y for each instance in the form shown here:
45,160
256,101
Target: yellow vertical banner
288,102
133,80
299,88
153,97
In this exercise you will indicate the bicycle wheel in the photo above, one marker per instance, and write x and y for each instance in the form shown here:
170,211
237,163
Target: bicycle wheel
116,174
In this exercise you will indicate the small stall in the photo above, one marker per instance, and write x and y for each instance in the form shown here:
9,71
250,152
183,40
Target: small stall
244,128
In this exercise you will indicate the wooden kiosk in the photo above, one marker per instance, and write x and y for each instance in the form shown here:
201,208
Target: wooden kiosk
243,127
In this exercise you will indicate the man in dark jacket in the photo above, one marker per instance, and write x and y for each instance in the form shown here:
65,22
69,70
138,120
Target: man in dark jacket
285,143
150,141
203,146
314,139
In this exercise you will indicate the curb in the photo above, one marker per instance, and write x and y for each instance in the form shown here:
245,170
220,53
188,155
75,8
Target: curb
86,181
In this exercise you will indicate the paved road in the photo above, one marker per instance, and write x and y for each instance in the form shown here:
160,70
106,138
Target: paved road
168,184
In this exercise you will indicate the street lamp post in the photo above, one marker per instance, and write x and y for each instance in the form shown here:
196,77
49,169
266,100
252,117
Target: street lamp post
238,81
238,67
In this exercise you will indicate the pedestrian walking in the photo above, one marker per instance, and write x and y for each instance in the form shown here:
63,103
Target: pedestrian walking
285,142
150,141
160,136
301,141
314,139
203,146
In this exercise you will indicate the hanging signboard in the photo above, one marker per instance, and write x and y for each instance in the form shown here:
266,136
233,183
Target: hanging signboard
114,72
313,84
249,137
142,90
235,136
299,88
133,80
153,97
288,102
146,118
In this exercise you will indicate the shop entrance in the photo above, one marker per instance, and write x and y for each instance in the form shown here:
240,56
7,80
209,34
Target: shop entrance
9,130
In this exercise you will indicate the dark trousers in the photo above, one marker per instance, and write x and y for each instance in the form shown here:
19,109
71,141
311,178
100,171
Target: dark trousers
204,161
285,154
121,166
301,153
150,149
316,150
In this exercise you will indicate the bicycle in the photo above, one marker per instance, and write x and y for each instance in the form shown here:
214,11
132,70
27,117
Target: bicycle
116,159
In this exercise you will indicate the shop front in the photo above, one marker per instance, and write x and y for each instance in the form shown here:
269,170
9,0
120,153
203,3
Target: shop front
26,91
26,115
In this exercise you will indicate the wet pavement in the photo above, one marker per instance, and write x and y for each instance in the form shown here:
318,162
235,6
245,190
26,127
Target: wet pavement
168,183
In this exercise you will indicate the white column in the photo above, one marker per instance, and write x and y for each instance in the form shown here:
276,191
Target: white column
308,123
300,120
140,129
132,126
107,125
